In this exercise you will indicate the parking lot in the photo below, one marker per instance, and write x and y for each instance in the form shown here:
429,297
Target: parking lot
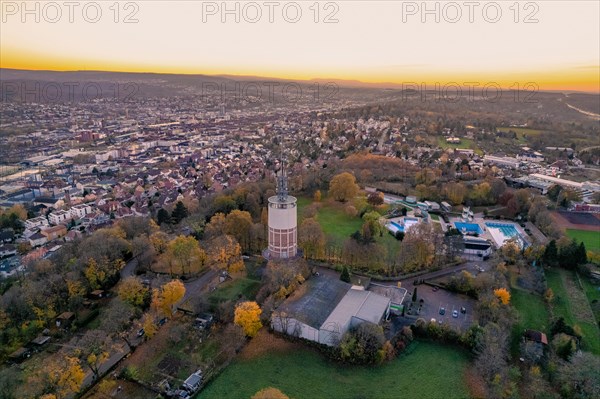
438,301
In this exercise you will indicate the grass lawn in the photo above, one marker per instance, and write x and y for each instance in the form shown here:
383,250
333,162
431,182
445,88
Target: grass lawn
333,219
593,295
231,290
302,373
522,133
591,239
533,314
336,223
566,305
464,143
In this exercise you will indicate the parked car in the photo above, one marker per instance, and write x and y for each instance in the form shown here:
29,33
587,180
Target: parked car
141,332
442,311
162,321
463,310
455,313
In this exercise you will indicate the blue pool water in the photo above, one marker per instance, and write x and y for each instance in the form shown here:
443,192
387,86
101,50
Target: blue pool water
398,226
509,231
408,222
468,227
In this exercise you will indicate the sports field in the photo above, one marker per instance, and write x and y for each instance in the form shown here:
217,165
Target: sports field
591,239
302,373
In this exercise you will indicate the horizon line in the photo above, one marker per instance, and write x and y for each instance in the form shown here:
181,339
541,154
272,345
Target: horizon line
357,83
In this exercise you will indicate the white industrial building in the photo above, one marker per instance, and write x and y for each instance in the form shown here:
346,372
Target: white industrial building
502,161
328,309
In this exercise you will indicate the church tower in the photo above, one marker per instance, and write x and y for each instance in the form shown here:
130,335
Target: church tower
283,225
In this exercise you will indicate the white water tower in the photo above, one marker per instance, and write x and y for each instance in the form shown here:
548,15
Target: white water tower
283,221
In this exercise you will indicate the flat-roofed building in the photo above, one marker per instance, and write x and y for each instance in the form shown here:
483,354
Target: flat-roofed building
326,309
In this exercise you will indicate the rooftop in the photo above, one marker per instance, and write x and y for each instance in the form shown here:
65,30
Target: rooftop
313,304
364,305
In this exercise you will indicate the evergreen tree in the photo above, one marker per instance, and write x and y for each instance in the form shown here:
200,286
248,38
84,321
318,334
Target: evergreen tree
581,254
550,256
179,213
345,276
162,216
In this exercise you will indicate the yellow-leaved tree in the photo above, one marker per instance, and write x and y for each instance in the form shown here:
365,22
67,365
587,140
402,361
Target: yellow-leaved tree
149,326
132,291
503,295
247,316
185,256
65,376
269,393
225,254
343,187
168,295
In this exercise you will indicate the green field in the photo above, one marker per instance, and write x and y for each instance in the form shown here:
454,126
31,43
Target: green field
591,239
304,374
333,220
464,143
231,290
533,314
566,305
522,133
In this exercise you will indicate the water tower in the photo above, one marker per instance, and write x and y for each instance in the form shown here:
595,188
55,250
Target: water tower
283,221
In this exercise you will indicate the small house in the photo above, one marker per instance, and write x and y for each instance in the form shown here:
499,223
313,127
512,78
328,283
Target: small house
19,355
65,319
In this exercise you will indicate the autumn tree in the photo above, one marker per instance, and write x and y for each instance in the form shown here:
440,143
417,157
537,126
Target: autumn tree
143,251
311,239
167,296
269,393
371,227
455,192
108,243
64,376
418,247
149,325
503,295
363,344
95,274
137,226
343,187
317,196
239,224
159,241
116,320
185,256
247,316
132,291
224,253
375,198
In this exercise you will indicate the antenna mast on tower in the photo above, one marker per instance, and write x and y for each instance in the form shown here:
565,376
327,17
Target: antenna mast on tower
282,182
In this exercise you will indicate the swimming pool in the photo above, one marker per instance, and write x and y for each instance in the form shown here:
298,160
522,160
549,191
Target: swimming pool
507,231
403,227
468,227
398,226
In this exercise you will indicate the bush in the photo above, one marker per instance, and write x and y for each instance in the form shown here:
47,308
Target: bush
130,373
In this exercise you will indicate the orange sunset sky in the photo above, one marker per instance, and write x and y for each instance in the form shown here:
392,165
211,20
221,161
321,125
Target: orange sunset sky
554,44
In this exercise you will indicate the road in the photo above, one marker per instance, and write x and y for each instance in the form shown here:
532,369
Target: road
191,286
195,286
